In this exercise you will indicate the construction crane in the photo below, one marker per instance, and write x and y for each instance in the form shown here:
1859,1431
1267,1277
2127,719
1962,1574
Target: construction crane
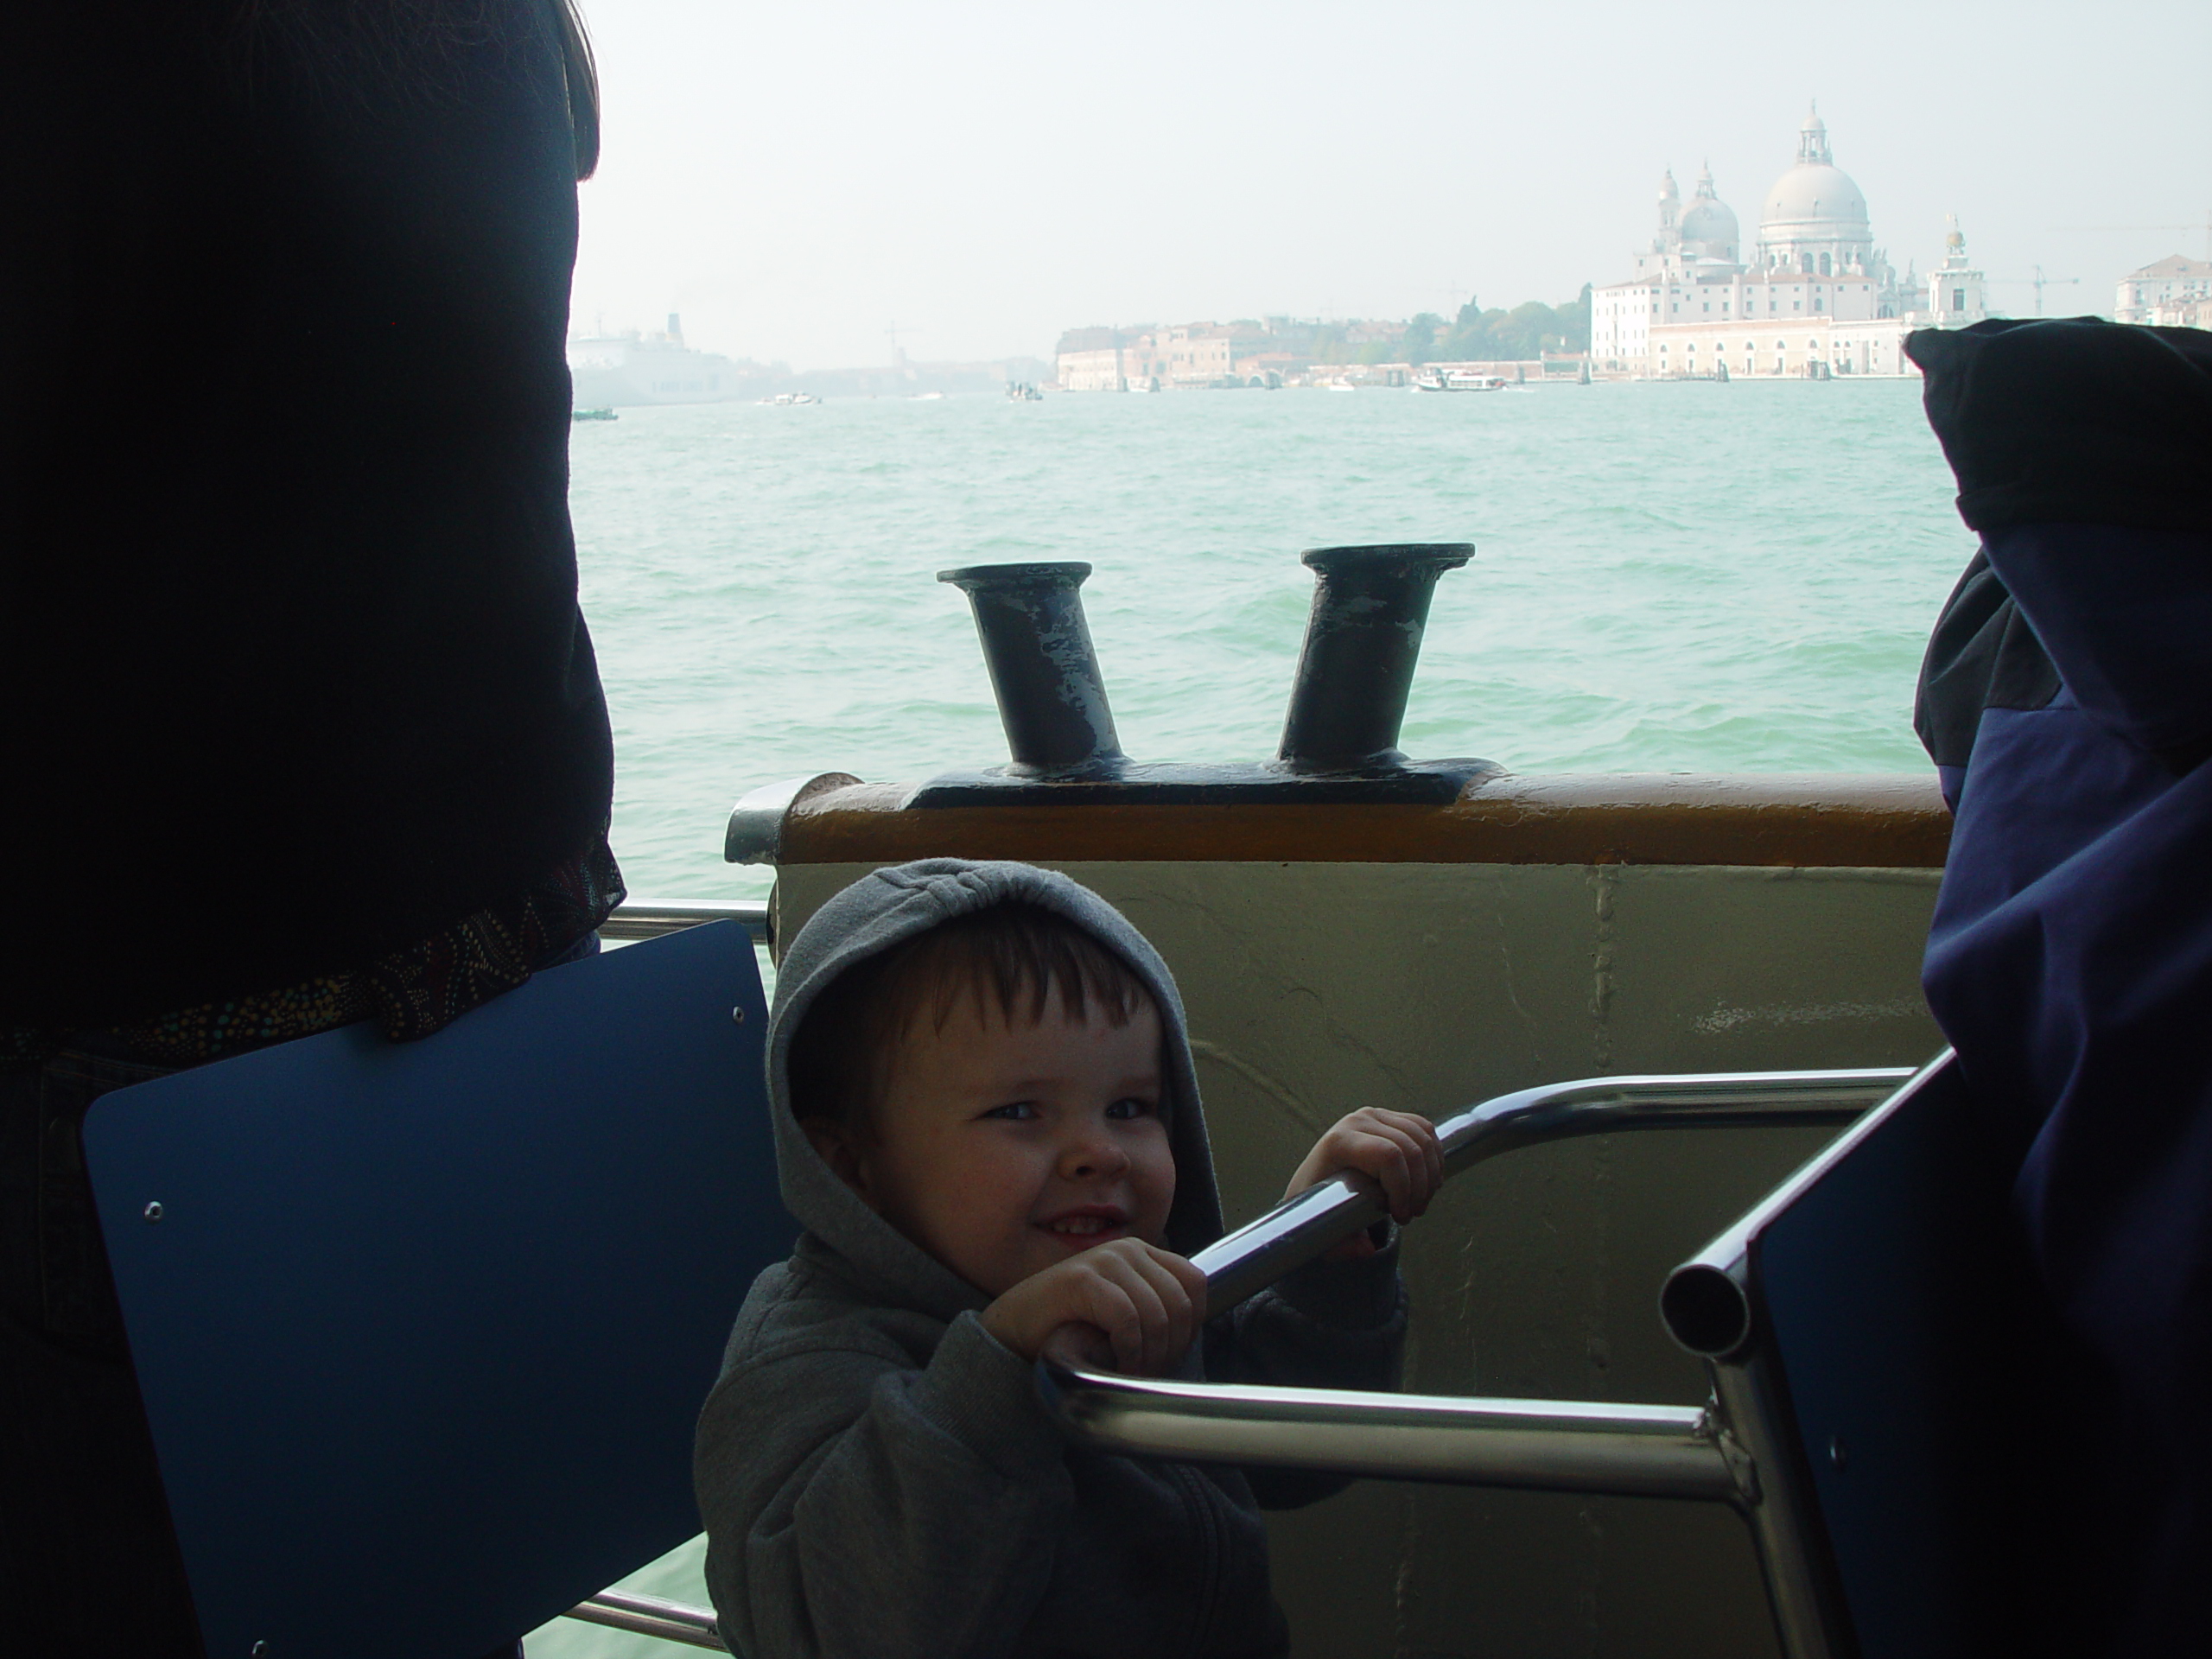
899,351
2038,282
2131,229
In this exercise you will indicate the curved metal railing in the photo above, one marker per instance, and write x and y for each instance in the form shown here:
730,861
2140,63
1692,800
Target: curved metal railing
1542,1445
1299,1229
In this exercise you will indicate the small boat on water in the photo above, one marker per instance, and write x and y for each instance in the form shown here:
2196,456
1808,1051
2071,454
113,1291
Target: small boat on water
1340,384
790,399
592,415
1022,391
1457,380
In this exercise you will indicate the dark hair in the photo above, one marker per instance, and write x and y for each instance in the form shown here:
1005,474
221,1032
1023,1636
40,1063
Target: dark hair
582,71
376,47
1014,955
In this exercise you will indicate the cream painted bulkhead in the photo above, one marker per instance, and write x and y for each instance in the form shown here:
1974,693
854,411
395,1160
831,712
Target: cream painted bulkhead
1428,957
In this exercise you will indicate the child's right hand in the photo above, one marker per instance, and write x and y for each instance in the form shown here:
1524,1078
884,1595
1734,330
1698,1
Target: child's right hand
1128,1306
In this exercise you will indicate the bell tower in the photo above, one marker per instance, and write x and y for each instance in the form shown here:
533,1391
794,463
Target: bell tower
1954,287
1813,140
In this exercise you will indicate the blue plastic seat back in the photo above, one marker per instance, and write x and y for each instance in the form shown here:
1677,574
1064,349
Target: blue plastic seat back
423,1329
1926,1376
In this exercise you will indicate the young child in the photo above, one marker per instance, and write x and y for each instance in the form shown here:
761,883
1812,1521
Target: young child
987,1121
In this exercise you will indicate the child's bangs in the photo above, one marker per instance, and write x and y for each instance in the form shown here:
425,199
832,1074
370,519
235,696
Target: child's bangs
1010,956
1014,958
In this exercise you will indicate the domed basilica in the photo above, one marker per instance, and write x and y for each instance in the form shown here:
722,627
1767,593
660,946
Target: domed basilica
1814,298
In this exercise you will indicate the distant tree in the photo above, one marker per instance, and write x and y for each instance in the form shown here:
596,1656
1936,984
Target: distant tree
1469,338
1525,332
1420,336
1574,321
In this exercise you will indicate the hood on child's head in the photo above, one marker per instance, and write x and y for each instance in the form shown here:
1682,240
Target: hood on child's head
884,910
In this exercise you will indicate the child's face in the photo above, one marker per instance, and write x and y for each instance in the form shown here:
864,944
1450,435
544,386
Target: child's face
1004,1149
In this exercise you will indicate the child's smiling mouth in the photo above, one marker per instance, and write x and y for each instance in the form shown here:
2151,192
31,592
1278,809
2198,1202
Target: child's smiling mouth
1086,1224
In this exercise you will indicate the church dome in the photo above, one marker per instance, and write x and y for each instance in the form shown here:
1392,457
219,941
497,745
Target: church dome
1710,222
1815,192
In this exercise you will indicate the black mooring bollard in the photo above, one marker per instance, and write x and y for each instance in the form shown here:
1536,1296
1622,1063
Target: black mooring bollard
1044,670
1363,640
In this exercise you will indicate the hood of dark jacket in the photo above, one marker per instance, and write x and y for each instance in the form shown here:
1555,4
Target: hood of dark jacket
2084,452
2073,421
884,910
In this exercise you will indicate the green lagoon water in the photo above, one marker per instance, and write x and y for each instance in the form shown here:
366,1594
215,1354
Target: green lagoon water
1680,576
1667,577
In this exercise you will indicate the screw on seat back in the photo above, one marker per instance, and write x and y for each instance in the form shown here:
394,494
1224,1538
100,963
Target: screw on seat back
423,1330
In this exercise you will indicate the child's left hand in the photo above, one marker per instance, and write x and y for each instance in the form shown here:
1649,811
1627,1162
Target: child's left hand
1398,1150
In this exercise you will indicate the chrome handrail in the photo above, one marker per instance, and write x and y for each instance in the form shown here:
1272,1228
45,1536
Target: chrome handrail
1706,1303
671,1621
1301,1228
1539,1445
647,918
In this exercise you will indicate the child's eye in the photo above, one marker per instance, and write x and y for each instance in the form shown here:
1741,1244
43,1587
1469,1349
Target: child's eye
1019,1111
1132,1107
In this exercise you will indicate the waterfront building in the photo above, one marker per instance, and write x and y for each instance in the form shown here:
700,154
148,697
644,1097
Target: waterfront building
1147,358
1813,296
627,370
1204,353
2175,292
1184,356
1090,359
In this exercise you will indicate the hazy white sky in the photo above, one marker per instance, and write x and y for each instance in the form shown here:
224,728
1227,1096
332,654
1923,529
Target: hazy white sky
794,178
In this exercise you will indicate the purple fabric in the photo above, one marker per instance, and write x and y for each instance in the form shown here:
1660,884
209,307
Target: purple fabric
2070,963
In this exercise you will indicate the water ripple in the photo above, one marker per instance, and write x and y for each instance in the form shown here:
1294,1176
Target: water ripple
1668,577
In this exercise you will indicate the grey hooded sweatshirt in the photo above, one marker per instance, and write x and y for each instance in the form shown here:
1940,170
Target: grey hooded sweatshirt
877,1476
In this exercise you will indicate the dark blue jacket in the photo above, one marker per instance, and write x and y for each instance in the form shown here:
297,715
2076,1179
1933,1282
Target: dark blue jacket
2067,699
